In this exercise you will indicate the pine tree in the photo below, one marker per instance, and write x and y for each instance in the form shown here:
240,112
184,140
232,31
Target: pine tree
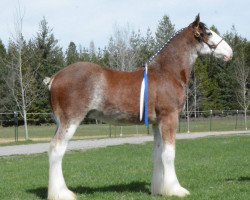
72,55
164,31
48,60
209,88
84,54
49,54
3,72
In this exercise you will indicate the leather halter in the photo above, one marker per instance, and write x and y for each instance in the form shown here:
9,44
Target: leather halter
211,46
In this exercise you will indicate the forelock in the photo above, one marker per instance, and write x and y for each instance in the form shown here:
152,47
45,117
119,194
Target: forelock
203,27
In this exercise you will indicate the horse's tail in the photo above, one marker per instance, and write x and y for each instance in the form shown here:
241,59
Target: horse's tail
48,81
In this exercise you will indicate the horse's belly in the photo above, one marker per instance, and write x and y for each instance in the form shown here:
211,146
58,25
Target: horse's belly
115,117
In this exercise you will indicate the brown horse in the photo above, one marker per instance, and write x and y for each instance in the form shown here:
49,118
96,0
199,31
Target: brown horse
114,97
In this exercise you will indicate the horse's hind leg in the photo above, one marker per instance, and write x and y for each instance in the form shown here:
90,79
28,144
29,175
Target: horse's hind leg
57,186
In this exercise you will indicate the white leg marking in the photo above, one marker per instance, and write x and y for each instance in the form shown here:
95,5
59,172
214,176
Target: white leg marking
171,183
164,180
57,187
157,179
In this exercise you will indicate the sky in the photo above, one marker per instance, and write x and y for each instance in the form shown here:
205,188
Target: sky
83,21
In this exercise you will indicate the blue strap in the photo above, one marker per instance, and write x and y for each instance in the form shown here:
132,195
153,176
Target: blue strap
146,97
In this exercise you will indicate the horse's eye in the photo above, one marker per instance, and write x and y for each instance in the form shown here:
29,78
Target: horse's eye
209,33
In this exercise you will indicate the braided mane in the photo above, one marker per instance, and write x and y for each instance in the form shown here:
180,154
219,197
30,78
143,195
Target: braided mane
151,59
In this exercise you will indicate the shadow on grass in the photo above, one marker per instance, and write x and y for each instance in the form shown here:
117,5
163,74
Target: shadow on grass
141,187
40,192
240,179
244,179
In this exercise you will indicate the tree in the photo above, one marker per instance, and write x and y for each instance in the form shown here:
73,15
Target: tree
121,54
164,32
84,54
19,84
143,46
92,52
72,55
228,80
49,54
194,90
242,75
48,58
104,61
3,72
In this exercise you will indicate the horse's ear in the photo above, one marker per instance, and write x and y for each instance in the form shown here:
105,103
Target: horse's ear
197,21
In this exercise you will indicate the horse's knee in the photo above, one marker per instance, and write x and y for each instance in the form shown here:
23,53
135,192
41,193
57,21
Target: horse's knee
57,150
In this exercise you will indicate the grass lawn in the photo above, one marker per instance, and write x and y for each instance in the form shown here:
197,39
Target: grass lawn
211,168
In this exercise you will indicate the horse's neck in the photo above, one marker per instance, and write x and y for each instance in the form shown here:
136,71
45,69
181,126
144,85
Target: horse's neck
178,59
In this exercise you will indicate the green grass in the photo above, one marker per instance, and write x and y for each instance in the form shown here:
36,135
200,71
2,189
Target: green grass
211,168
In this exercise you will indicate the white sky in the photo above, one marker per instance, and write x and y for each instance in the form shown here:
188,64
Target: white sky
81,21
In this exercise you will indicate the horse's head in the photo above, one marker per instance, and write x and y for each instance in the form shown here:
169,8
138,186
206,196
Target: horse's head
210,42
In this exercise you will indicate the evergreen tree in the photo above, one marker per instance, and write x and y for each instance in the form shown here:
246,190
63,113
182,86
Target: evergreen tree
209,88
105,57
84,54
101,58
72,55
164,31
3,73
49,54
2,50
48,60
240,47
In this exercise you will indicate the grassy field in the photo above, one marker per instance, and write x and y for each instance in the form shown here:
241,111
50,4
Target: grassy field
211,168
45,132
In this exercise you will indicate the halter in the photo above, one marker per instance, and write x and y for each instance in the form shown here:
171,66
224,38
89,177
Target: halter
211,46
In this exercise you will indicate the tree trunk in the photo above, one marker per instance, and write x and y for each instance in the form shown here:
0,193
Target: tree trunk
187,110
24,110
195,97
25,125
245,118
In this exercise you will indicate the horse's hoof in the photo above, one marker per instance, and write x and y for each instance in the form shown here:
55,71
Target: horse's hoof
62,195
178,191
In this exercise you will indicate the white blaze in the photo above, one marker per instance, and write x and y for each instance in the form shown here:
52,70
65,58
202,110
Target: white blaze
223,50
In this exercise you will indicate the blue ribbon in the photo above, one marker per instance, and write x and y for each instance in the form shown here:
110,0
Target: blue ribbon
146,96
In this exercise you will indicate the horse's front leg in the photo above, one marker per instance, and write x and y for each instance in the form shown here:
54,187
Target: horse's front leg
164,181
